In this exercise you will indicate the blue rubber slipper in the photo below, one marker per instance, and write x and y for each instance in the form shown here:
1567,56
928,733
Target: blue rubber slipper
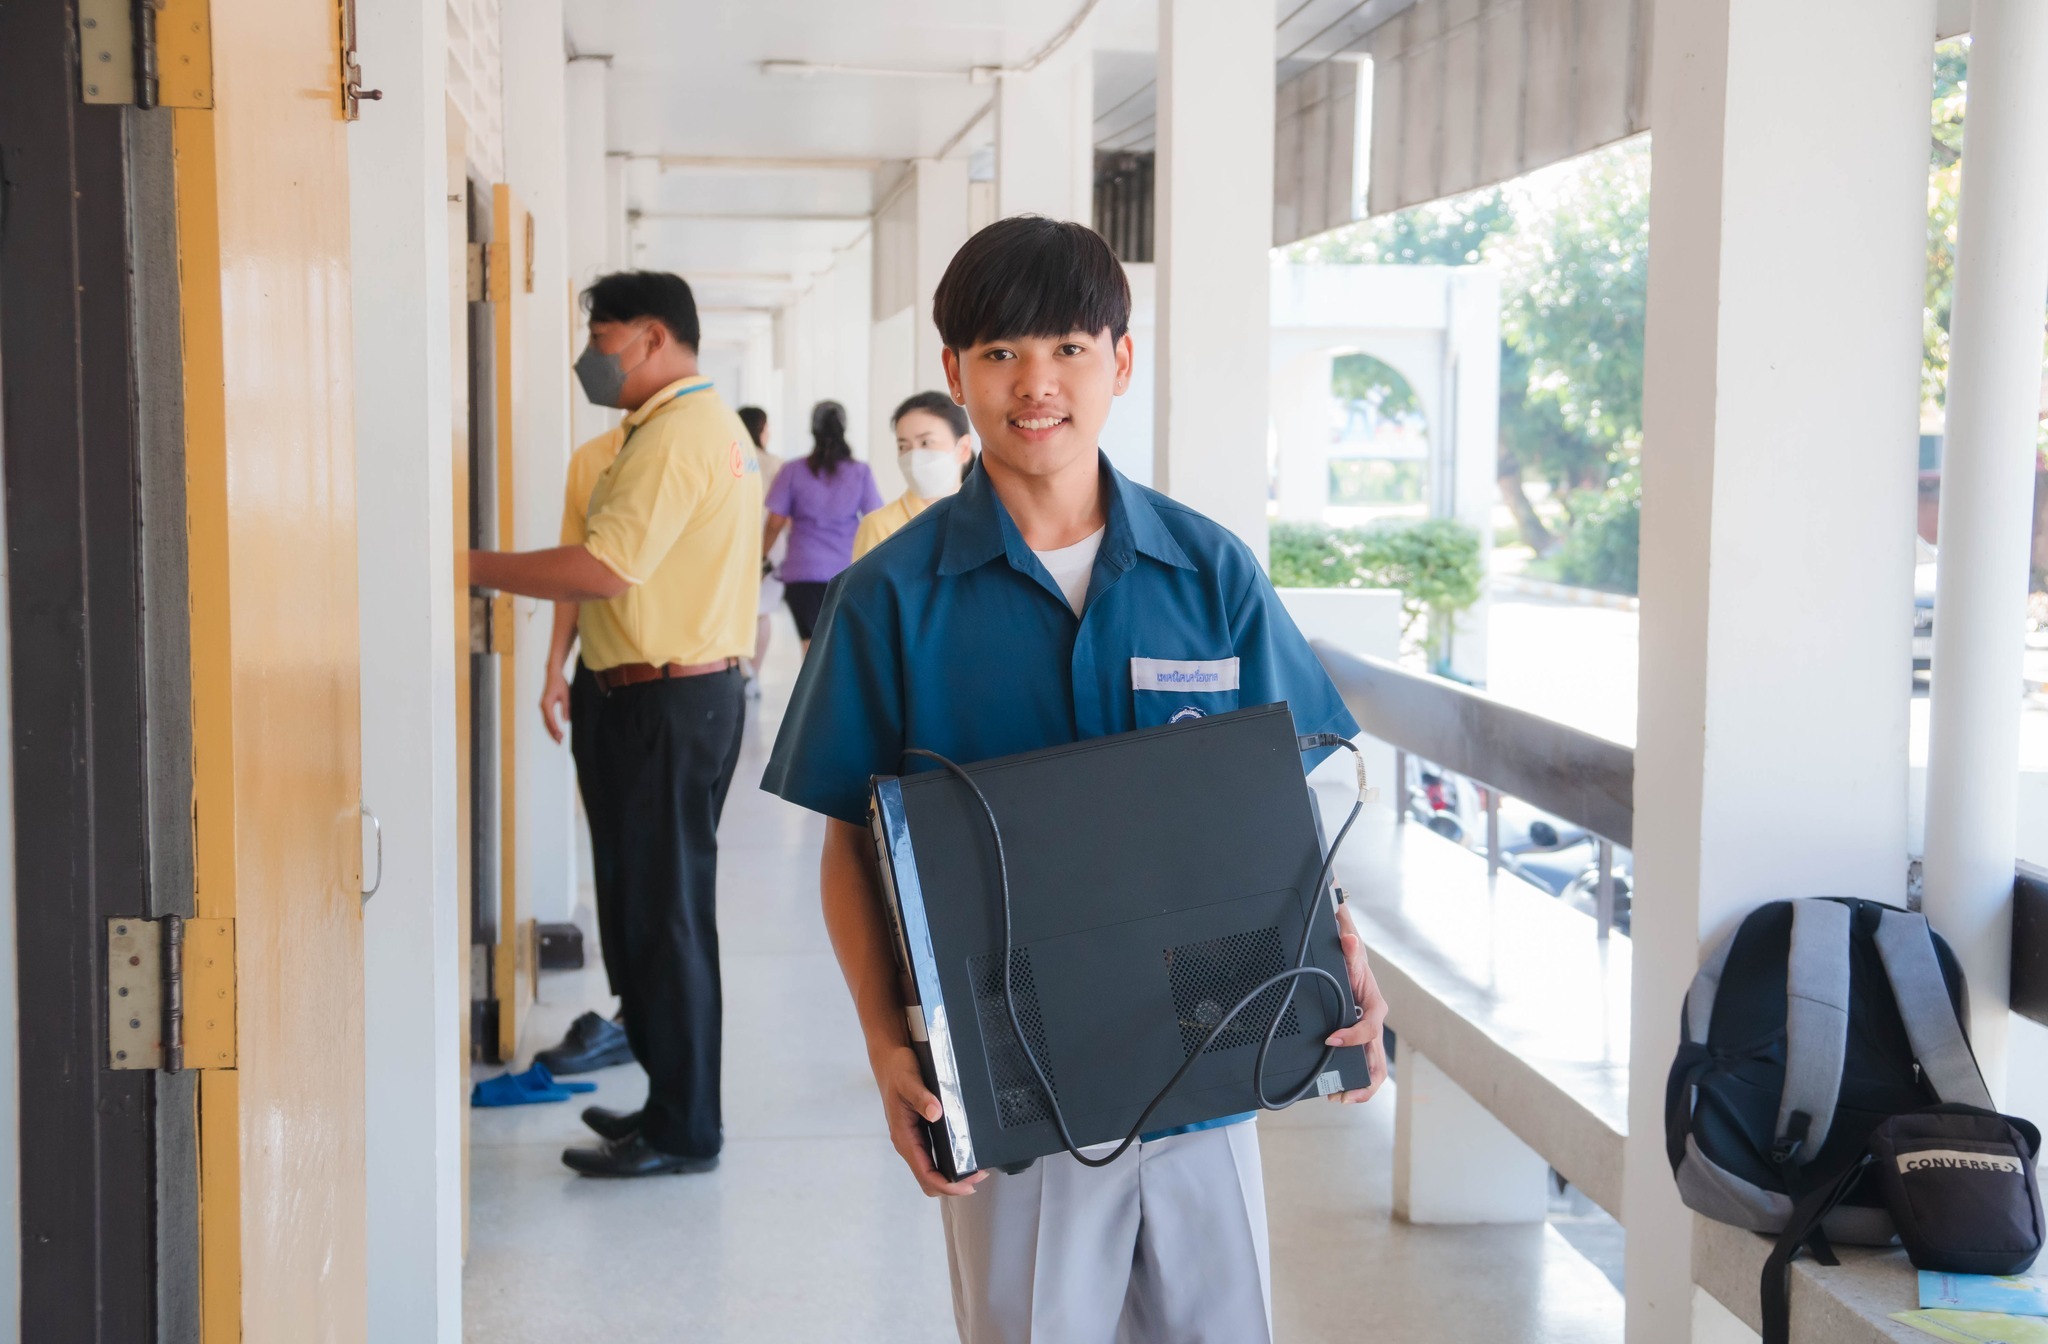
539,1079
507,1090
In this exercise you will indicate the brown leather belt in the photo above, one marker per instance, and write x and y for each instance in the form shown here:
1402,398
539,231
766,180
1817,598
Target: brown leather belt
632,674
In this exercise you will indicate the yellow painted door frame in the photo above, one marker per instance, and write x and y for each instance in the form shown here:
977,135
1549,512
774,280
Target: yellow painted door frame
508,279
262,207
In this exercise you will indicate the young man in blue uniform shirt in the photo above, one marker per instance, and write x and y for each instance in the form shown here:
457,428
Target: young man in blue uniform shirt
1050,600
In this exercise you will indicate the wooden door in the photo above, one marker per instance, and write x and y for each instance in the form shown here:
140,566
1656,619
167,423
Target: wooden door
262,205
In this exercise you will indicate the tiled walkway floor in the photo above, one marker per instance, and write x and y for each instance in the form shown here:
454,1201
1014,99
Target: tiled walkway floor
811,1232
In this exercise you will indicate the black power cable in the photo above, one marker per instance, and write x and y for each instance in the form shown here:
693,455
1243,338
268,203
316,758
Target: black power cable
1290,977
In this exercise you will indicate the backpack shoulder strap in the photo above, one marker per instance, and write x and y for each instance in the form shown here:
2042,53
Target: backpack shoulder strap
1706,985
1907,948
1816,1028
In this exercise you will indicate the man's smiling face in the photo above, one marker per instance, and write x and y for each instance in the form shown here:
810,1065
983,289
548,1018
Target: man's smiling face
1039,402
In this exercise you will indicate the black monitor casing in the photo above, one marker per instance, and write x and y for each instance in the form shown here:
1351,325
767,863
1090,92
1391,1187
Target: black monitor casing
1155,878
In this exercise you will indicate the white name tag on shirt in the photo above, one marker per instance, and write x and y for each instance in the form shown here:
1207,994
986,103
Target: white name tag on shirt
1160,674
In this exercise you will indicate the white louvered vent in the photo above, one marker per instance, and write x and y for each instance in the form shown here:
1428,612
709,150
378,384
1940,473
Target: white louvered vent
476,81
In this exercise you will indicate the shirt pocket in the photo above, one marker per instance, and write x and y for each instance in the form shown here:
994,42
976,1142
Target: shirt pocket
1173,690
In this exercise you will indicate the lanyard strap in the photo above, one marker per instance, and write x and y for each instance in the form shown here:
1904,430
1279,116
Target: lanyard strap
680,393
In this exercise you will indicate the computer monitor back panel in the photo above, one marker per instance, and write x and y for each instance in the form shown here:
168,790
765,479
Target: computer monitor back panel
1156,877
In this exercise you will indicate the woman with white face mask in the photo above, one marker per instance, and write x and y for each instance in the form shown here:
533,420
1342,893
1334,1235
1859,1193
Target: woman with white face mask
934,448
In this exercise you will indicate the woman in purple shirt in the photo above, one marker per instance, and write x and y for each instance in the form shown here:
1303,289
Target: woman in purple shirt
821,500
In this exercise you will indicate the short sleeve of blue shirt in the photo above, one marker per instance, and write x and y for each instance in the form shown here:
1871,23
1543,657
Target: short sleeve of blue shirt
845,722
951,636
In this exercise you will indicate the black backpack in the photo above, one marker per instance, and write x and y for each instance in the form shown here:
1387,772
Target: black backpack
1814,1022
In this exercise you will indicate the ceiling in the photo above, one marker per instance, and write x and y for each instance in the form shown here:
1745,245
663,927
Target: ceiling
688,98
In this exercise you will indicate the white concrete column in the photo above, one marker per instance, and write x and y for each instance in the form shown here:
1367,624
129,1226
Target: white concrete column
536,166
941,213
1214,231
1453,1161
1772,749
414,970
618,232
1472,394
1302,412
587,78
1987,509
1045,136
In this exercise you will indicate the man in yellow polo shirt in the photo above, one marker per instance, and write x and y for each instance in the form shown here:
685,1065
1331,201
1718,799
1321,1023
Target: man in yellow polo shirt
593,1041
667,577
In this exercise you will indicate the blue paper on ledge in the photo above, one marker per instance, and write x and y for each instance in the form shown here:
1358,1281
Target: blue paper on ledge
2013,1295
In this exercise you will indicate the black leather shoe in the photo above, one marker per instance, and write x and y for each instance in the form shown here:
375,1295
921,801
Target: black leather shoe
592,1042
607,1123
633,1156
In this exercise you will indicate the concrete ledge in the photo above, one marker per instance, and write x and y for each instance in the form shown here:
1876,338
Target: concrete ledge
1514,585
1850,1303
1501,986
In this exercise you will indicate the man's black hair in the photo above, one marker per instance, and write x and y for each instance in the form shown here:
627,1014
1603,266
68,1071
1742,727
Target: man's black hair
934,403
756,421
1031,276
628,296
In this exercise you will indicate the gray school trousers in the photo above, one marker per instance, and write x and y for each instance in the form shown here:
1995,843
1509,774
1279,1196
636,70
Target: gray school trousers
1167,1245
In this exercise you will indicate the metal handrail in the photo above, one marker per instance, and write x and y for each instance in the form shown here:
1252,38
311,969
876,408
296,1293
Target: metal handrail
1565,771
2030,944
1583,779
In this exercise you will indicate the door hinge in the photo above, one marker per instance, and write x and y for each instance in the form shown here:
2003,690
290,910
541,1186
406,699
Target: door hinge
150,53
476,272
498,272
490,623
170,993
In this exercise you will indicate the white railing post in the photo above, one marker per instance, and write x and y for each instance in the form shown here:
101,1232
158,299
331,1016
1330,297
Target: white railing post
1987,514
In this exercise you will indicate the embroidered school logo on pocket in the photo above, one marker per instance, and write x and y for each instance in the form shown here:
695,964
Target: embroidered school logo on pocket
1160,674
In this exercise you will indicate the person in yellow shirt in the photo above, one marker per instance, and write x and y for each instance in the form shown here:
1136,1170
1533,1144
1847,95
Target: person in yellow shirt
934,447
593,1041
667,577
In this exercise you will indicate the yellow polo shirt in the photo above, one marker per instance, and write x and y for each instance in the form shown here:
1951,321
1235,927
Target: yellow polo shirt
677,515
586,464
881,525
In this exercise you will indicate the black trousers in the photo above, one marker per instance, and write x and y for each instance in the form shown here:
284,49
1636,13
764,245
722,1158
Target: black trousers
661,766
586,698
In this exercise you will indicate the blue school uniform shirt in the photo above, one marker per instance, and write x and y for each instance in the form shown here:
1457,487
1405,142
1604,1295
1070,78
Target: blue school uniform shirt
951,636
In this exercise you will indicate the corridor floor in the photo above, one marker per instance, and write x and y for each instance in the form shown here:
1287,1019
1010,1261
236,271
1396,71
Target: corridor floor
811,1232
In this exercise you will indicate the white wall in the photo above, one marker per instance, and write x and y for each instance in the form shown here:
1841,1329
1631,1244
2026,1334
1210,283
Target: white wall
587,235
536,165
414,986
828,331
1045,141
892,376
1127,434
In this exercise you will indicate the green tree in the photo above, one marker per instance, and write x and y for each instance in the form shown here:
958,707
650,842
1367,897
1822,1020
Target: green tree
1944,182
1442,233
1360,377
1435,565
1576,288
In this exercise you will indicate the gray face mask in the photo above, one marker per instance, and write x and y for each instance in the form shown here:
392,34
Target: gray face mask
603,377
